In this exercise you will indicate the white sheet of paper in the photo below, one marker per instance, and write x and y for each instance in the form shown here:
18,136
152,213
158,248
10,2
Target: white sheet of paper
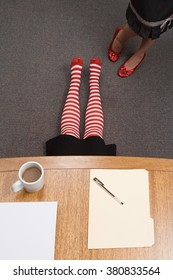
112,225
27,230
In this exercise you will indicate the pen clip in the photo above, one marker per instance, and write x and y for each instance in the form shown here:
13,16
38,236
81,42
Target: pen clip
98,181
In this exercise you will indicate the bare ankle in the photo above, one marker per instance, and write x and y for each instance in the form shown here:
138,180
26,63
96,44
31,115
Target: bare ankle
118,45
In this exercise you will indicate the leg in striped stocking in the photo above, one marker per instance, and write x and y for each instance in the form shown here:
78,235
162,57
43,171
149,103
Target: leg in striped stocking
70,121
94,114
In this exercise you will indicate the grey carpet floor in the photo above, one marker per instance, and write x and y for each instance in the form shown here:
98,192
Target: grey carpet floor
38,40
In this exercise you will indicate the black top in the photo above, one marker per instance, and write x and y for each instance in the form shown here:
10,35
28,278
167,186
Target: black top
151,11
63,145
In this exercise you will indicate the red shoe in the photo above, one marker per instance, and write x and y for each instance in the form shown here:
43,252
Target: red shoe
96,60
123,72
76,61
113,56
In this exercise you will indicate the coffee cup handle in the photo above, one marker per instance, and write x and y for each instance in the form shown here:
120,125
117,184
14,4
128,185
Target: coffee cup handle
17,186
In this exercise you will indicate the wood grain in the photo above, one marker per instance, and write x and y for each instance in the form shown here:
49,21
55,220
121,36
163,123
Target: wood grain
111,162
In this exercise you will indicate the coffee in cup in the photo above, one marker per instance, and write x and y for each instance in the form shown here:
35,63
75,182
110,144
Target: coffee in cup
31,174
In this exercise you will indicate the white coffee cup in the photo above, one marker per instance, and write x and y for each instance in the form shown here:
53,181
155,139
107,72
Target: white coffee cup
31,177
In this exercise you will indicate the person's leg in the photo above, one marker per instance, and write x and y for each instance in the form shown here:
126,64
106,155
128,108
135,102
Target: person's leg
94,113
122,37
70,121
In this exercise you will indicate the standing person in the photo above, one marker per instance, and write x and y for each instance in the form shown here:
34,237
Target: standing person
69,141
146,18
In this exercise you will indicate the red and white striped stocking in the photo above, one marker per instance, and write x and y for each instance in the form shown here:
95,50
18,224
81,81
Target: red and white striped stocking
94,114
70,120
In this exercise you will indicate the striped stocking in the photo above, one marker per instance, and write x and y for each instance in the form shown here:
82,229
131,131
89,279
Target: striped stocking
70,120
94,114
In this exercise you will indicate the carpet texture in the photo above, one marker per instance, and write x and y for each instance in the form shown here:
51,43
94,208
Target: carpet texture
38,40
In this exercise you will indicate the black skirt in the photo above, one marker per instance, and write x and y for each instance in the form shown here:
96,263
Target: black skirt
64,145
150,18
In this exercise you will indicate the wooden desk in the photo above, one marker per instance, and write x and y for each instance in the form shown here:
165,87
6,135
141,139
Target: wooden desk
67,181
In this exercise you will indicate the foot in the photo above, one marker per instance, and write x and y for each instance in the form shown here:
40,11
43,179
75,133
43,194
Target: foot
130,65
76,61
96,60
133,61
115,46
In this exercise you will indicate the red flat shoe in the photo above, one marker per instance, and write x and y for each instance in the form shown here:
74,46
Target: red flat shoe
96,60
76,61
113,56
123,72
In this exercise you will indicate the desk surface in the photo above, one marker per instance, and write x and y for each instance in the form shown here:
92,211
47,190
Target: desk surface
67,181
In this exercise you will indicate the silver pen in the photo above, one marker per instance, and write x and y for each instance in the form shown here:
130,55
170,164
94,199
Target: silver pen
103,186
